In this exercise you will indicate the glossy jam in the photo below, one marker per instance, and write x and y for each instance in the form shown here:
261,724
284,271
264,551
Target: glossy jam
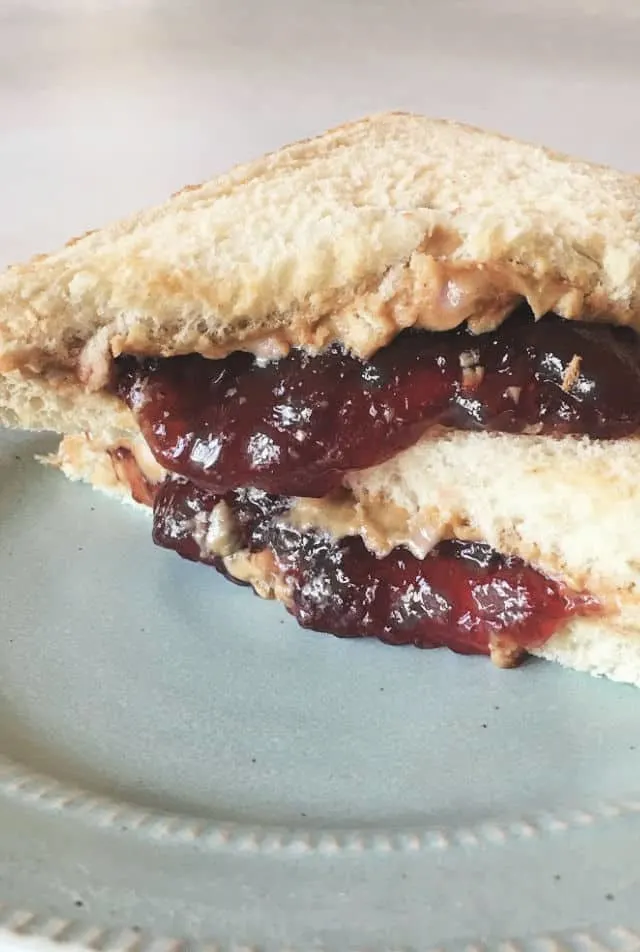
296,425
464,596
179,504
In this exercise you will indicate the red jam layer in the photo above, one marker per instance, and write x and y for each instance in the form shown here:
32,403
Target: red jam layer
296,425
464,595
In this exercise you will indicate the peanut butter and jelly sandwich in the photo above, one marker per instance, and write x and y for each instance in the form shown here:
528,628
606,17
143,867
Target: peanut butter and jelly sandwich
389,376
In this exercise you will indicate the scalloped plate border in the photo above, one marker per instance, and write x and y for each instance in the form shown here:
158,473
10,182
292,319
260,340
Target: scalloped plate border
22,924
47,794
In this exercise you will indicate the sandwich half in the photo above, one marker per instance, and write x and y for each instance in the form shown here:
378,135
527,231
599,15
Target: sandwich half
389,376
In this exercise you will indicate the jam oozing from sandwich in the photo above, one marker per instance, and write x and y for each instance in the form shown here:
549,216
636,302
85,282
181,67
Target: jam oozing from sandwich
463,595
296,425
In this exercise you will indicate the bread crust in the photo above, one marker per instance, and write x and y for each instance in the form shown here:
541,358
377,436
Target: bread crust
337,237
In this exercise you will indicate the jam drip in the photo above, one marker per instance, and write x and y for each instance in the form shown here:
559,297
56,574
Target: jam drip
463,595
296,425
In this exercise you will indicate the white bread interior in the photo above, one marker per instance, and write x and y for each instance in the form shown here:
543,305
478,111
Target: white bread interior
60,404
570,506
602,647
342,236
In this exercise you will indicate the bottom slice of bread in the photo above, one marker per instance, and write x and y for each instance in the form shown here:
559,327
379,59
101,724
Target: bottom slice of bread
460,465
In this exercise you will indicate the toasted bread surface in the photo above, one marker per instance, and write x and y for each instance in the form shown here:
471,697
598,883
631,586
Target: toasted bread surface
339,237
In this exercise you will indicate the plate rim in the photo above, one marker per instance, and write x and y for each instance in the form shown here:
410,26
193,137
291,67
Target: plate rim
29,930
47,794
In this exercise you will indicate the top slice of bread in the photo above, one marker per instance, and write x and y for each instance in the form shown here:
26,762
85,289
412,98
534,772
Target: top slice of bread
331,238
